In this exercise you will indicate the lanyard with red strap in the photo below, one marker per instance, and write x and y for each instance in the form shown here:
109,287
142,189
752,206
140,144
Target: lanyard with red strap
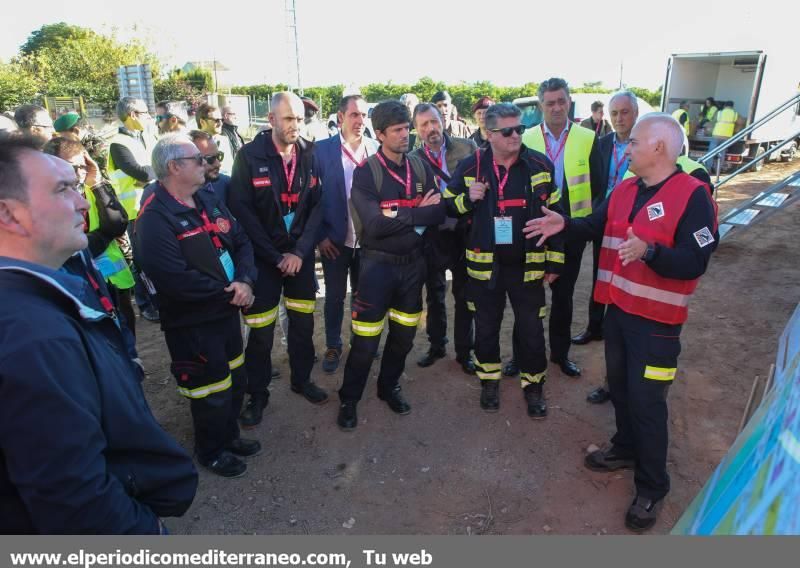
407,183
617,164
438,162
211,229
502,203
597,128
351,157
105,302
287,197
554,157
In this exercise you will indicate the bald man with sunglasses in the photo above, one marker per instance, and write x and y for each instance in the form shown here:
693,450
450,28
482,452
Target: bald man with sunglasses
502,187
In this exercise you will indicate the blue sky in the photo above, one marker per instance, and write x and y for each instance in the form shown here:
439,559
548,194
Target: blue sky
362,41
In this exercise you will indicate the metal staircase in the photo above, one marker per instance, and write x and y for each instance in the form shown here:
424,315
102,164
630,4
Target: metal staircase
766,203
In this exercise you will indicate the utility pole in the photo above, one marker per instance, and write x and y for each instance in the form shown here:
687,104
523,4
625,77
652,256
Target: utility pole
620,74
293,47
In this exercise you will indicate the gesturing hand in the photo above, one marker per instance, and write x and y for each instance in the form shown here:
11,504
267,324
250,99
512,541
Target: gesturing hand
632,249
552,223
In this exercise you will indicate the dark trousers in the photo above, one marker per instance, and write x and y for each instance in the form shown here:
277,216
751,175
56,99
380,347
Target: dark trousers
561,304
208,365
597,311
299,294
527,301
383,288
641,361
335,272
450,255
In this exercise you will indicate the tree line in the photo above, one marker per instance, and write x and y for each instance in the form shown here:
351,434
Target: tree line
67,60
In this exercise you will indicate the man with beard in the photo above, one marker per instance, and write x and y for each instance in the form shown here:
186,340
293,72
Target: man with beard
443,152
396,203
275,194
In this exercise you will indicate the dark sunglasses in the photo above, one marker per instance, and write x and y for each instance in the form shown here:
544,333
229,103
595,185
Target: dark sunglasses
506,132
197,158
211,158
215,120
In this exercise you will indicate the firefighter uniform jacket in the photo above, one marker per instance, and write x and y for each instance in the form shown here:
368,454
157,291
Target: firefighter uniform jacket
529,186
260,199
188,254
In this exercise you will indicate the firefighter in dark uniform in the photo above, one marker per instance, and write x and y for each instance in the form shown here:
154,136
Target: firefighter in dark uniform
200,260
503,186
275,195
396,207
659,230
443,153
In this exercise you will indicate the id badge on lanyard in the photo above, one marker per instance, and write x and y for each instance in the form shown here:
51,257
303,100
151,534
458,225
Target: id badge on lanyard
287,219
227,264
503,231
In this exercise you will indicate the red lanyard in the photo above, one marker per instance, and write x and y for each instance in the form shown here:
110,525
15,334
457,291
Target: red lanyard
554,158
597,128
290,172
436,162
407,183
105,302
350,156
617,162
501,185
211,230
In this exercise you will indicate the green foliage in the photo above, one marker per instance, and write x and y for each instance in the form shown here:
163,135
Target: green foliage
16,86
53,35
83,64
652,97
176,88
200,79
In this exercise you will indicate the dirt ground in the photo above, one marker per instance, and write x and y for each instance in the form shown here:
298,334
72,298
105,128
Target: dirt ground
449,468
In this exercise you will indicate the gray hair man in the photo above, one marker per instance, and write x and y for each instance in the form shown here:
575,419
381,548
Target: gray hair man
648,271
201,262
443,152
613,161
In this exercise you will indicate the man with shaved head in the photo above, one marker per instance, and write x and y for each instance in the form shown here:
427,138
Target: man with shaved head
658,232
275,194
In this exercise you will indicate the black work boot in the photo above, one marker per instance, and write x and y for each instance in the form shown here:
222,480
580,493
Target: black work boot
225,465
348,417
609,458
434,353
534,396
254,410
511,369
642,514
311,392
490,395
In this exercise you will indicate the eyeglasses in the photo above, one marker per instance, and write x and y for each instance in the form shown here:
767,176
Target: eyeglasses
211,158
160,117
48,126
140,112
78,168
215,120
198,159
508,130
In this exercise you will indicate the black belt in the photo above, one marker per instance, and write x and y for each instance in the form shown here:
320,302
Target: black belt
392,258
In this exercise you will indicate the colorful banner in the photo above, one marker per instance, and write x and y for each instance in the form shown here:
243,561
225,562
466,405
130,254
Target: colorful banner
756,487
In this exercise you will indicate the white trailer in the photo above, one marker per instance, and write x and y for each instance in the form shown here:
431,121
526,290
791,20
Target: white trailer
755,81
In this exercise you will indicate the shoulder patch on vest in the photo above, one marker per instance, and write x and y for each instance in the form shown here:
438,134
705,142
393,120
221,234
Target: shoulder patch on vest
704,237
655,211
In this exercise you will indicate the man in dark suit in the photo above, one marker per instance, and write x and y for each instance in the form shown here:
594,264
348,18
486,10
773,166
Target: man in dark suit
337,158
612,166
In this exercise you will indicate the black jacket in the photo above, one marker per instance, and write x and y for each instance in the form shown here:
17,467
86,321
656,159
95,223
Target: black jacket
254,196
535,171
183,261
80,450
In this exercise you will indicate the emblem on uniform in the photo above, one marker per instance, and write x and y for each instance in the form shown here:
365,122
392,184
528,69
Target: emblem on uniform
655,211
184,223
223,225
704,237
262,182
419,188
263,169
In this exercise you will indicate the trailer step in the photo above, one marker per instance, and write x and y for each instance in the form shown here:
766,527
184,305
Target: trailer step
761,206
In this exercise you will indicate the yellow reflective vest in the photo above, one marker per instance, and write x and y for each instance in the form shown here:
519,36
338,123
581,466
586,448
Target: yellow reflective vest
711,112
128,189
685,162
726,123
576,165
677,116
111,264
